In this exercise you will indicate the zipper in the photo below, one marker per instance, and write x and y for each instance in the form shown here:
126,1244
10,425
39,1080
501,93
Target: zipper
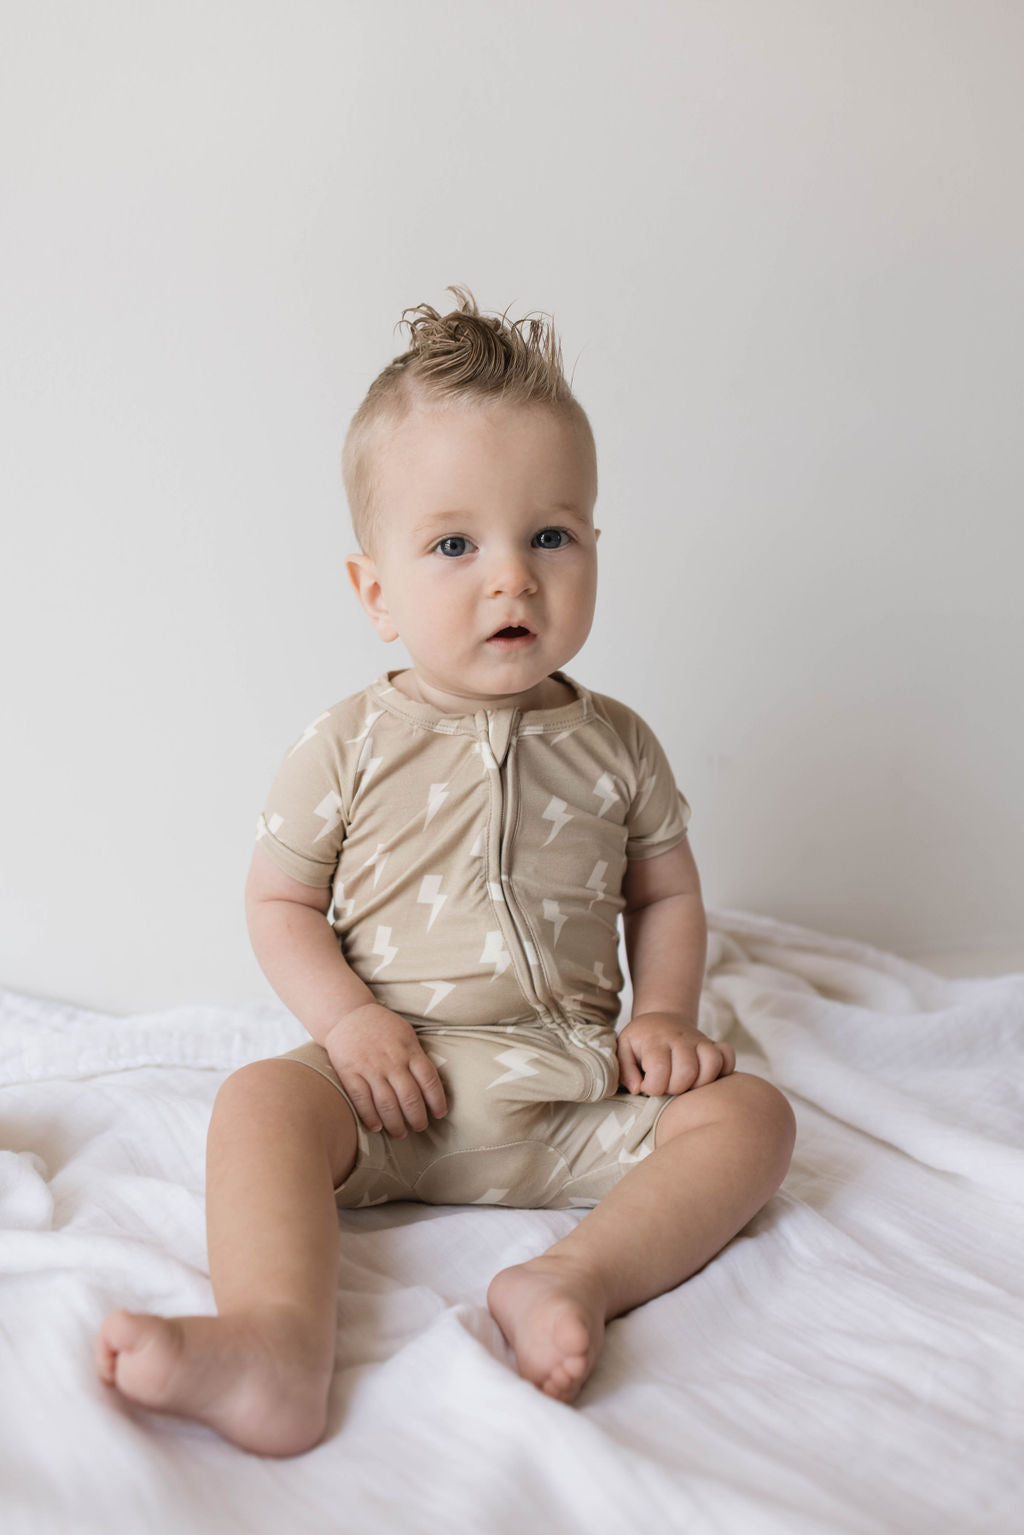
545,1003
496,733
499,745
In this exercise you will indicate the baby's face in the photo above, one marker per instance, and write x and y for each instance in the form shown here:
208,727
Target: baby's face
486,559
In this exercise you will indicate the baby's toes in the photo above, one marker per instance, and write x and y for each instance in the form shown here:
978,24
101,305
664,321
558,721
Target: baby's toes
566,1379
104,1357
143,1354
124,1330
120,1331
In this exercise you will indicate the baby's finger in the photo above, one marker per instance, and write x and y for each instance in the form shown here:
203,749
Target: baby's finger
388,1108
410,1099
657,1064
629,1072
431,1086
729,1055
685,1070
362,1101
712,1062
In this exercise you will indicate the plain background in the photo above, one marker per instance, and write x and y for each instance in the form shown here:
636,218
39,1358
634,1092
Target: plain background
783,245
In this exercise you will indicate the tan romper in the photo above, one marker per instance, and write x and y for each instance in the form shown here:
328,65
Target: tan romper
476,864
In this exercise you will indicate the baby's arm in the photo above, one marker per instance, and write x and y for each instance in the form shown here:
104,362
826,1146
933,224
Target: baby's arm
661,1050
382,1067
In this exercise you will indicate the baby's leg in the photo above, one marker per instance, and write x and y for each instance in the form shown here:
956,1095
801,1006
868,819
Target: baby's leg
281,1139
721,1152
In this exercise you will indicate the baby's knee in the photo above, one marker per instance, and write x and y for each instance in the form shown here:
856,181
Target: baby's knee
753,1113
283,1099
275,1090
256,1083
762,1110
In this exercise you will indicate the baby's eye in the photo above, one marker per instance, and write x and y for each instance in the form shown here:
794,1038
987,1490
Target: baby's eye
453,546
552,538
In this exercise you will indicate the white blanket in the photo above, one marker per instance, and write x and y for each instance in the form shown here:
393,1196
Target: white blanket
853,1361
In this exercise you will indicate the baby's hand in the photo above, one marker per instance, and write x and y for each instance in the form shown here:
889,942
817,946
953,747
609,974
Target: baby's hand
384,1070
662,1053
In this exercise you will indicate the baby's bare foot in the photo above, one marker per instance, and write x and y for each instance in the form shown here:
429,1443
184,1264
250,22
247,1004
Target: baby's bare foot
553,1315
256,1380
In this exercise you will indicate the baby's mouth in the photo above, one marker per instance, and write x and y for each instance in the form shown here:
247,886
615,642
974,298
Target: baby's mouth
511,635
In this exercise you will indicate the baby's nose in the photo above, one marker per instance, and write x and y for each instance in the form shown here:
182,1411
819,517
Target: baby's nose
510,575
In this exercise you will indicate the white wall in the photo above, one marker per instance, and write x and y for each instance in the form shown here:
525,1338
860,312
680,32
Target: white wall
783,245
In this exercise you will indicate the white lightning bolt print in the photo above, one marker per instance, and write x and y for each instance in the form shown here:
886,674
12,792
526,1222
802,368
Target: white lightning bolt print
368,724
309,732
606,792
614,1128
518,1063
342,908
486,756
438,795
440,990
430,886
602,979
596,881
270,824
556,814
492,1197
376,863
555,1172
382,945
553,913
646,785
368,763
329,810
495,953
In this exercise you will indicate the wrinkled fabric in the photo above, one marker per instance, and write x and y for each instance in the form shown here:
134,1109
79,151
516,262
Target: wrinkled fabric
852,1362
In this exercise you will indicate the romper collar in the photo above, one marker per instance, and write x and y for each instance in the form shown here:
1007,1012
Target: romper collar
528,722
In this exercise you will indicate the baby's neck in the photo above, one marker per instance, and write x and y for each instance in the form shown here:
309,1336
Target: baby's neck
550,693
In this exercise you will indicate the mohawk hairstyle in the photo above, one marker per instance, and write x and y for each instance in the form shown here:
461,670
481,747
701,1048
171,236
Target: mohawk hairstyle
458,356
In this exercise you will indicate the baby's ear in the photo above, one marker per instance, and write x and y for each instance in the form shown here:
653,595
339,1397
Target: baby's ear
362,572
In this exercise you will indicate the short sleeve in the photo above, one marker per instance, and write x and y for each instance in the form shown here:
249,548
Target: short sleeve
659,815
304,821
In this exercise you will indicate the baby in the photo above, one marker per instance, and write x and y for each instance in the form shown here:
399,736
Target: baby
435,894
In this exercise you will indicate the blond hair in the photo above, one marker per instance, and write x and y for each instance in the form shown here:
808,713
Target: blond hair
464,355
